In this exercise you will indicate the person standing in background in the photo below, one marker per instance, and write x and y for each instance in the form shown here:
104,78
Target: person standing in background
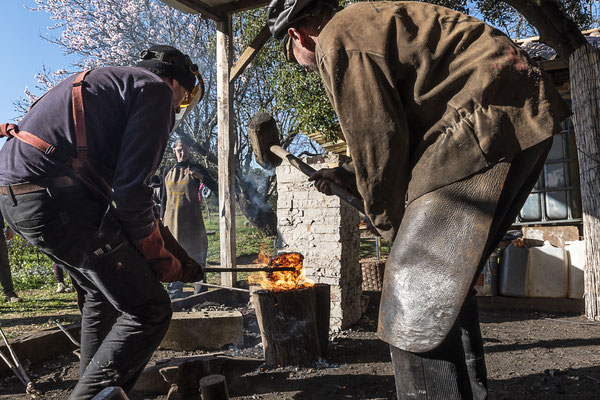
59,275
5,275
181,210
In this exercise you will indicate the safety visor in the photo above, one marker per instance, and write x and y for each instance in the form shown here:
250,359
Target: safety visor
198,90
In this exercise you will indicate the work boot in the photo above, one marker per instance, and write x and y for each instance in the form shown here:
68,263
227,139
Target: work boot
12,297
61,288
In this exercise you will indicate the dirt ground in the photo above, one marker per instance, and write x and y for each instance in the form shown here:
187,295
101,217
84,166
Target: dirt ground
529,355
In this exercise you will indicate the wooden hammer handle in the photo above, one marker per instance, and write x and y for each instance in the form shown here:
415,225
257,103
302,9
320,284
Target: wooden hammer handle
308,171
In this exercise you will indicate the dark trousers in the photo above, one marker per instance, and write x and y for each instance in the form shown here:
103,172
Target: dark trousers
59,275
455,369
125,311
5,275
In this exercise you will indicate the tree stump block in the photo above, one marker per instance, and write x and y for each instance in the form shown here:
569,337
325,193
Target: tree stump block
214,387
288,325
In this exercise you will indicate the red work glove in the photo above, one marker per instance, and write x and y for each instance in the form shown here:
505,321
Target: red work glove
163,263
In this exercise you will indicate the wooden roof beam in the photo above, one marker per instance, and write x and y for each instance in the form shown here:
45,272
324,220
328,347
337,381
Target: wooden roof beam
241,5
251,51
198,6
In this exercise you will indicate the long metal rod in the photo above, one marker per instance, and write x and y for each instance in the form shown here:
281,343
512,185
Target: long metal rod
26,379
250,269
71,338
222,287
13,368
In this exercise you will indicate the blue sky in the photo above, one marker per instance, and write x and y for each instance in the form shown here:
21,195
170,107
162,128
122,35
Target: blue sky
23,52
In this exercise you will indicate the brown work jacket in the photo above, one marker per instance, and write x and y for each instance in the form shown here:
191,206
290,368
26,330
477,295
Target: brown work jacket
427,96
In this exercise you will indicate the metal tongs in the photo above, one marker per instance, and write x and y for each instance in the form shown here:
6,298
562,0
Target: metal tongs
17,369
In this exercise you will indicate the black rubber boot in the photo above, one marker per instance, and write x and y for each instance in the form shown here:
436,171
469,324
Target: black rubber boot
453,371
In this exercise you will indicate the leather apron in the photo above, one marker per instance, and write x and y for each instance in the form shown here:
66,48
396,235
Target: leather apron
183,213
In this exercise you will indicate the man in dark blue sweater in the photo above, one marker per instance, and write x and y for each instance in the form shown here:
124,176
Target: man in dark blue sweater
75,185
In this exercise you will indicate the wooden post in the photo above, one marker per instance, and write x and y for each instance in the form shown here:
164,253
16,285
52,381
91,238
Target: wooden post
584,70
226,144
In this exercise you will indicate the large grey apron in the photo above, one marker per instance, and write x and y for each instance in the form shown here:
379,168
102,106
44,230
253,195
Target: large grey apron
183,213
443,240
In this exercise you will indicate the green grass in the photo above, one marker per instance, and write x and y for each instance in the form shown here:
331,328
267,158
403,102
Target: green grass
29,267
37,310
248,240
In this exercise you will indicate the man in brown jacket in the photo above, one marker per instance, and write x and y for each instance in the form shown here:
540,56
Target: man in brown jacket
446,112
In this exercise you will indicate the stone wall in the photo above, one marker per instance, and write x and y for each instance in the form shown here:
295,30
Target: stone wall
325,230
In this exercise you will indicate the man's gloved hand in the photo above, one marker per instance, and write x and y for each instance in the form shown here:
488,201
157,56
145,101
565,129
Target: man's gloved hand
163,263
323,177
191,270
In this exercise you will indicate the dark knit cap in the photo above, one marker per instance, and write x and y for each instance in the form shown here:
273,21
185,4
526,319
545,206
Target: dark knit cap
169,62
281,14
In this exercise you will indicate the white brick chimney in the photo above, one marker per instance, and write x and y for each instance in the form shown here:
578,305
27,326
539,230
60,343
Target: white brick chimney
325,230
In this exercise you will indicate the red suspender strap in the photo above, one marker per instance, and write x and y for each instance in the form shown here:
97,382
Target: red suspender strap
78,115
12,130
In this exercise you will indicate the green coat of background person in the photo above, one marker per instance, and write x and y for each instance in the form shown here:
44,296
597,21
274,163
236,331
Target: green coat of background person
181,208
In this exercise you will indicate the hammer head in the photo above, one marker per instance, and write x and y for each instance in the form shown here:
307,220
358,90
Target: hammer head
263,133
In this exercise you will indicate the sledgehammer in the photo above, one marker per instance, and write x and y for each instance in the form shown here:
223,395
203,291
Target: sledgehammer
264,137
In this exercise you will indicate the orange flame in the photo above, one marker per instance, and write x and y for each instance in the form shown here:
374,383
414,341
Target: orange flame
281,280
262,258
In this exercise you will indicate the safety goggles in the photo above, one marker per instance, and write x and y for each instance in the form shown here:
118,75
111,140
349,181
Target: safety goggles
198,90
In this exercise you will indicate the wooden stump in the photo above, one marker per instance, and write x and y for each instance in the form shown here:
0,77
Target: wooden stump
214,387
288,326
323,308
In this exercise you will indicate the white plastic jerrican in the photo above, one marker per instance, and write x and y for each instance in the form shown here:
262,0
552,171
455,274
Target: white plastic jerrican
576,258
548,272
513,271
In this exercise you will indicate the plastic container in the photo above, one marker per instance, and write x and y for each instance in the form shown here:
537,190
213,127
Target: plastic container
513,271
487,283
547,272
576,260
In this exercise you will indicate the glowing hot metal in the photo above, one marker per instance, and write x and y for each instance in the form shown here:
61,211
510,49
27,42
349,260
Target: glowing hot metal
281,280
